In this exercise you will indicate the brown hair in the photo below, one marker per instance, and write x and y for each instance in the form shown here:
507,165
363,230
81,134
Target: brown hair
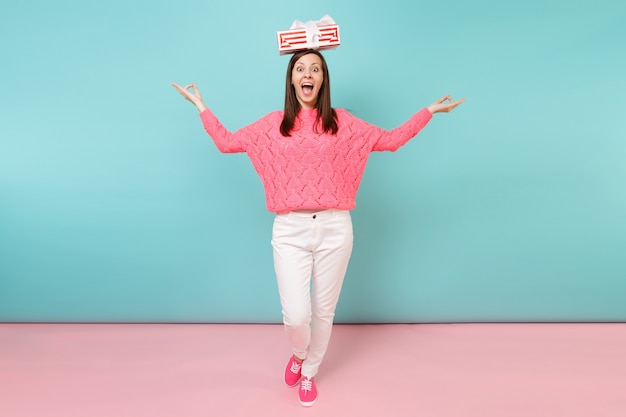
326,115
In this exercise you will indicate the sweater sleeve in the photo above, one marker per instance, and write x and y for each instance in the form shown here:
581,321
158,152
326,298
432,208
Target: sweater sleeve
238,141
383,140
225,141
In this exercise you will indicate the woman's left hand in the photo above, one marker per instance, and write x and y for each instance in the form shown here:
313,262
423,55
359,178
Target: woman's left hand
444,105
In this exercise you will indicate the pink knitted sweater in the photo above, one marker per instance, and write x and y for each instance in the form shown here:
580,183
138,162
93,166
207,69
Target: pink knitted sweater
310,170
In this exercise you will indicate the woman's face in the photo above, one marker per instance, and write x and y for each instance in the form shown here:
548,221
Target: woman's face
307,78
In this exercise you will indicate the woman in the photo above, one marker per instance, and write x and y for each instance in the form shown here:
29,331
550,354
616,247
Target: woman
310,158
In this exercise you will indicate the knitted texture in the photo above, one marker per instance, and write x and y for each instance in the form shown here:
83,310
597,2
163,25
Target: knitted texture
311,170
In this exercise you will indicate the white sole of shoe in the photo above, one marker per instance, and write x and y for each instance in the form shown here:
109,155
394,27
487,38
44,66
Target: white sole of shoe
309,404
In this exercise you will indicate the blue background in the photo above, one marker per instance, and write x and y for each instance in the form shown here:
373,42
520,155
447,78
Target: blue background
116,206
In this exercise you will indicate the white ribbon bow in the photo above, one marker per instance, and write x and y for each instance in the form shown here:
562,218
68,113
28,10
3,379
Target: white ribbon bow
311,27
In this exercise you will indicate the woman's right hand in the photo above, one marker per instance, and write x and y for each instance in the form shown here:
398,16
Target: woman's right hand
193,96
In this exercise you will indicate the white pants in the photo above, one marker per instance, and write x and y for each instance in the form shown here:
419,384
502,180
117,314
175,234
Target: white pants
311,255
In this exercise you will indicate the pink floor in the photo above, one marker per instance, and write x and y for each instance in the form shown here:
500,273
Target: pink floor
188,370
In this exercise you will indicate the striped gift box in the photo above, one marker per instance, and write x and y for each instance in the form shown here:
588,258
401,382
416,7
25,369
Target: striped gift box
293,40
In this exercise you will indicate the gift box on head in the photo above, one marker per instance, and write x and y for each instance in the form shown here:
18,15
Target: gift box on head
314,34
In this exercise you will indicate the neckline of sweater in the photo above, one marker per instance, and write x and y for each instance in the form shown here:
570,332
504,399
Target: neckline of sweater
307,113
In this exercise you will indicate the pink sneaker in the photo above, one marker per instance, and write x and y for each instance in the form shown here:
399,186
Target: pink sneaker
308,392
293,372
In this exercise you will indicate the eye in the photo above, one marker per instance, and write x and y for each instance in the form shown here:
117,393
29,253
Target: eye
315,69
299,69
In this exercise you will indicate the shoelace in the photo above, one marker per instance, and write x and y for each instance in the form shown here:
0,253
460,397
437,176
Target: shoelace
306,384
295,367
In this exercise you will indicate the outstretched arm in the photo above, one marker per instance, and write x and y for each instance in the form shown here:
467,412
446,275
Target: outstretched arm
193,96
392,140
444,105
226,141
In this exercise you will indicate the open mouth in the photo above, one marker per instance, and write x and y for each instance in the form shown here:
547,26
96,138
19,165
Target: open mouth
307,89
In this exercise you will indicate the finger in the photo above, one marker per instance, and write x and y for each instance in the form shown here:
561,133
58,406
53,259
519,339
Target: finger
186,95
177,87
455,104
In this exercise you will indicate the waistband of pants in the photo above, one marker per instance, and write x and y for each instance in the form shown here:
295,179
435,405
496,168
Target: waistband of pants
313,214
